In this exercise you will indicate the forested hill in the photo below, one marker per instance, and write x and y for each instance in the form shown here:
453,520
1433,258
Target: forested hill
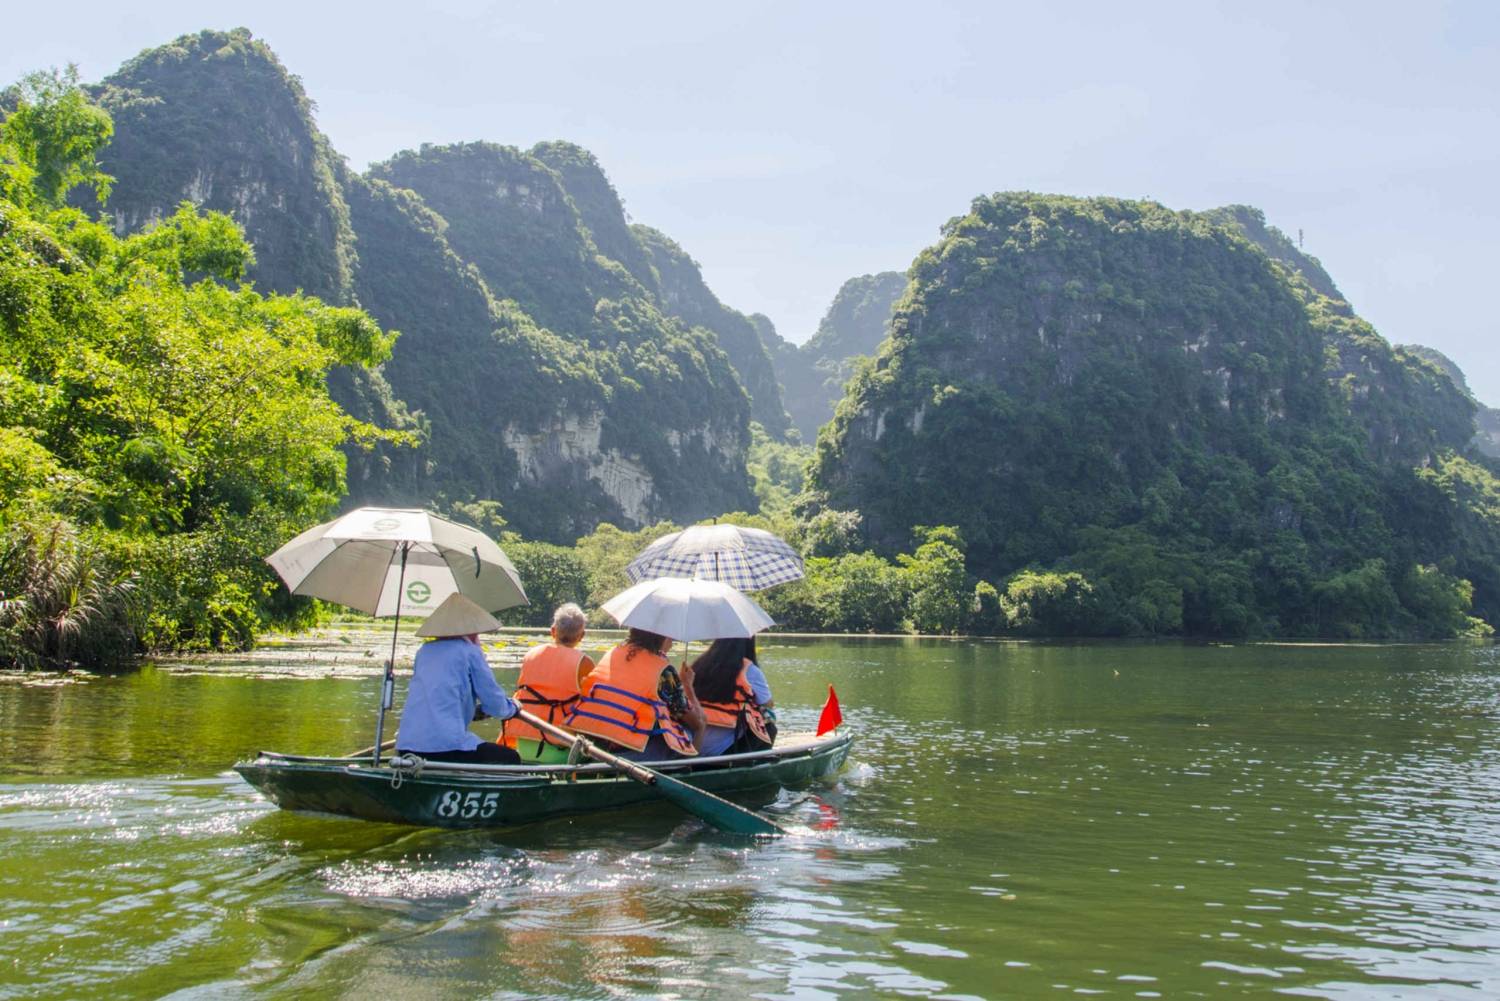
215,119
1173,431
667,274
813,375
1251,223
556,359
1486,419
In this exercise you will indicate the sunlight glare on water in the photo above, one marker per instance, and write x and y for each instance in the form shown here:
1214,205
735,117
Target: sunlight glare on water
1131,820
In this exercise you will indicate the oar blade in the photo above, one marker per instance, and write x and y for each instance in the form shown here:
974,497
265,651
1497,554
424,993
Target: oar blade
726,816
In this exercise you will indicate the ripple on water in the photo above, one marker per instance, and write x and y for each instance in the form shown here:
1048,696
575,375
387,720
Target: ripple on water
419,879
129,810
1313,833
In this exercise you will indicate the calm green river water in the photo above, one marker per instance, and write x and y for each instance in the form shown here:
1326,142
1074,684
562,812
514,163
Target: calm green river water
1016,821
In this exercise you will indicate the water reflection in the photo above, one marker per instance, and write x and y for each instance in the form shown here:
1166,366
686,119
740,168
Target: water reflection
1135,820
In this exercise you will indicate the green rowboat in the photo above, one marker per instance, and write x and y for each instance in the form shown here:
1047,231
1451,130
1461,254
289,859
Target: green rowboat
408,790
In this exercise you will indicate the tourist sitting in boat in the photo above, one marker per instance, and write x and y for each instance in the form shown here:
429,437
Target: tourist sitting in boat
634,699
551,676
735,697
448,676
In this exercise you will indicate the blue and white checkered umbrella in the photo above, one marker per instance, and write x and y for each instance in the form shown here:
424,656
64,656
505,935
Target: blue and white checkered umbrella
747,559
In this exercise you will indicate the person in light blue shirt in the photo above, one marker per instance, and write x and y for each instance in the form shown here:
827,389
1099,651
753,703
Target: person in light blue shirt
448,677
735,698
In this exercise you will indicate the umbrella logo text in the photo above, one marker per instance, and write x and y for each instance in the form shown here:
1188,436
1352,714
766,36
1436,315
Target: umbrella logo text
417,592
386,524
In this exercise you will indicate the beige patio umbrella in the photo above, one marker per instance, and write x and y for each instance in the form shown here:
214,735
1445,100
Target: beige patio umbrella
394,562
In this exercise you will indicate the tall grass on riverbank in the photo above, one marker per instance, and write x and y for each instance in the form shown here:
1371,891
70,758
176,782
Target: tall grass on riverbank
62,601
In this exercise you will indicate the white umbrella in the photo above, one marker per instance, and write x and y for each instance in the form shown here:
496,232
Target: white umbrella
750,559
396,561
688,609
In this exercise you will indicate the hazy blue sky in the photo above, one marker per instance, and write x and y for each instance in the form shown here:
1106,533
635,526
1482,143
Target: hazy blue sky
788,147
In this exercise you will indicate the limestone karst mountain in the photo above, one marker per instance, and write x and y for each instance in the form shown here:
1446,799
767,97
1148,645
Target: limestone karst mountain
1147,397
813,375
553,359
1486,418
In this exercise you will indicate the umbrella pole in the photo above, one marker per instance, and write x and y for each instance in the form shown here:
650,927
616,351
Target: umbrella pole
388,683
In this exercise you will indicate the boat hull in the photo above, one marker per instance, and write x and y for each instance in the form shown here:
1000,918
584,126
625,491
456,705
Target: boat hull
500,796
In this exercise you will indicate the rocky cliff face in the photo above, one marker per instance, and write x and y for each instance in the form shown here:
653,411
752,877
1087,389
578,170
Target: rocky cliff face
1062,367
667,275
815,374
215,119
508,215
526,239
599,207
1402,409
683,293
1032,308
1251,224
1486,419
537,359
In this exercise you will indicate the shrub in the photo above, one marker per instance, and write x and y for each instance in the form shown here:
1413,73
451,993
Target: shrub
551,574
1048,603
61,600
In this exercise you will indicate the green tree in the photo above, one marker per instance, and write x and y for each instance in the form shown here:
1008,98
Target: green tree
940,593
1439,603
179,420
605,552
1356,603
853,593
61,600
777,470
988,611
50,140
552,575
1050,603
831,533
866,594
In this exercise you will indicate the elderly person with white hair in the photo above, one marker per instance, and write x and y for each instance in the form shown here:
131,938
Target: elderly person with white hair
548,686
448,676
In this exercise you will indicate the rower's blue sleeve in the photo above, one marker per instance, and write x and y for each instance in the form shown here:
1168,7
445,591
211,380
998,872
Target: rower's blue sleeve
492,698
758,685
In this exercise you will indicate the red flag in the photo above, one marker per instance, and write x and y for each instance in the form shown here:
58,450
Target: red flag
831,717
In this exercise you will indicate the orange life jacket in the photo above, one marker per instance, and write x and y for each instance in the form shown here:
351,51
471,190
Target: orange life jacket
620,702
548,687
741,705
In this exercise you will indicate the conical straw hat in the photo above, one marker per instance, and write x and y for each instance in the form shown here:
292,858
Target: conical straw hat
458,616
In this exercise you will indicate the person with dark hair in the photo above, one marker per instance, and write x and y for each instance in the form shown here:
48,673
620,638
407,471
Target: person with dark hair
634,699
735,698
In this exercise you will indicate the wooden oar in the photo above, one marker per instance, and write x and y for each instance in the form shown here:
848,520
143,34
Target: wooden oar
389,745
721,813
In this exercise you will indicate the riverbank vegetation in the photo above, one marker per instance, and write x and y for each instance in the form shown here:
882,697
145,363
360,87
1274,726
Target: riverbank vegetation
162,425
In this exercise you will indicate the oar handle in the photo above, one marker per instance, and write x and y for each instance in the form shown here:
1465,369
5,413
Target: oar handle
389,745
593,750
